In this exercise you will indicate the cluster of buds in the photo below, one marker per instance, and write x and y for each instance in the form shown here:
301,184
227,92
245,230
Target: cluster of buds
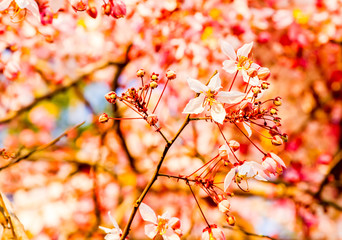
138,99
114,8
5,154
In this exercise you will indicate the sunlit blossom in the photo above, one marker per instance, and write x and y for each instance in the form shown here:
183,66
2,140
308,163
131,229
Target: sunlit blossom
211,96
30,5
239,61
213,233
112,233
273,164
164,225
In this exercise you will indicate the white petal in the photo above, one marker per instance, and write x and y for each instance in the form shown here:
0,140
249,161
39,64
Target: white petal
34,9
215,83
55,5
170,235
4,4
247,128
166,215
106,230
23,3
228,50
115,224
254,81
195,105
245,76
217,112
278,159
197,86
147,213
173,220
230,97
229,66
151,230
245,50
229,178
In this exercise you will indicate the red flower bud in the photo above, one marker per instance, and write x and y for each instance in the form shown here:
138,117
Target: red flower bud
92,12
119,9
103,118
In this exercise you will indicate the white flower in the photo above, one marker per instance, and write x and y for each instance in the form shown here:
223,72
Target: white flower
210,95
244,172
30,5
114,233
166,226
239,61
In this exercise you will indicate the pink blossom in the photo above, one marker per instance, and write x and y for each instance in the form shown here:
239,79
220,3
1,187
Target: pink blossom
272,164
213,233
210,95
245,171
114,233
166,226
239,61
30,5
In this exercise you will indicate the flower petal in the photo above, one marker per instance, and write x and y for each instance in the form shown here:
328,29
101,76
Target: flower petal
4,4
106,230
170,235
215,83
166,215
115,224
34,9
22,3
245,76
55,5
218,113
254,81
147,213
245,50
195,105
151,230
229,66
228,50
247,128
197,86
229,178
230,97
277,159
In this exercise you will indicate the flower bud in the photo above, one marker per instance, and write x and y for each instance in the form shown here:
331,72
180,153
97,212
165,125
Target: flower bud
256,90
152,119
111,97
234,145
176,225
213,233
252,72
154,76
224,206
277,101
103,118
106,9
231,220
264,73
119,9
92,12
141,73
153,85
170,74
285,137
276,140
79,5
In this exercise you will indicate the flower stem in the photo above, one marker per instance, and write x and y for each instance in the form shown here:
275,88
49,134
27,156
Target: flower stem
230,88
160,96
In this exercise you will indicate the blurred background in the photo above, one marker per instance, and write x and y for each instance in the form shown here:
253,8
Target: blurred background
55,73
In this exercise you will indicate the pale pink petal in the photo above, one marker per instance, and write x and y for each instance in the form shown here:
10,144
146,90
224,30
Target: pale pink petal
166,215
245,76
278,159
215,83
230,97
218,113
4,4
147,213
170,235
195,105
115,224
151,230
254,81
245,50
229,66
247,128
197,86
173,220
106,230
228,50
34,9
229,178
55,5
23,3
